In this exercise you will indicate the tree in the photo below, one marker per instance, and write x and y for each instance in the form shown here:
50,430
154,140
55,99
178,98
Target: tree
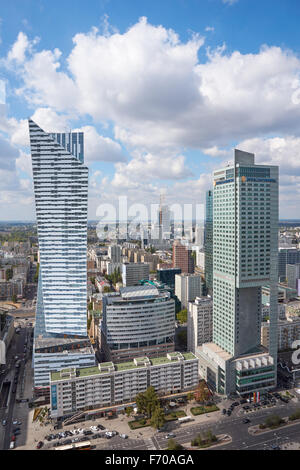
147,402
128,410
182,316
9,274
158,418
36,276
202,393
173,445
273,421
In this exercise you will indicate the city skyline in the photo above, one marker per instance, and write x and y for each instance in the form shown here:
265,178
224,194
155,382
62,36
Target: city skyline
178,123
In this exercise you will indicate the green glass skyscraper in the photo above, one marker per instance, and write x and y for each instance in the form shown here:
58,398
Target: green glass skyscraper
245,253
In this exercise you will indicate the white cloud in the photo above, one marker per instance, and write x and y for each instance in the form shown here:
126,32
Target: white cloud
157,93
209,29
147,168
99,148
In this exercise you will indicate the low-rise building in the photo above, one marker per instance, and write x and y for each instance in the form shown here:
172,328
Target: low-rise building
74,390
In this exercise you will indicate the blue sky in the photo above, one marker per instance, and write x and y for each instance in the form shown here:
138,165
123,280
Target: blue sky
163,91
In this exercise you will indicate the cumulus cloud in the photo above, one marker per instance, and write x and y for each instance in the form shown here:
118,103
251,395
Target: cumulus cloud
145,168
161,100
99,148
158,94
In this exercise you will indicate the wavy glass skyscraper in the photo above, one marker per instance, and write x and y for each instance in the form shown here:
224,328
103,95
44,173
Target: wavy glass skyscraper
61,198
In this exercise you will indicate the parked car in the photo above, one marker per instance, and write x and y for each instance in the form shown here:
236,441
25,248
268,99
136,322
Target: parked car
224,411
228,412
39,444
170,435
12,445
123,436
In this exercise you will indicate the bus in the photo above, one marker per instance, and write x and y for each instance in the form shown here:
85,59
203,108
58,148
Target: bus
86,445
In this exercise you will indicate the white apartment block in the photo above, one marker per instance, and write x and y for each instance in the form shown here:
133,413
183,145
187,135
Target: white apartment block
74,390
199,322
187,288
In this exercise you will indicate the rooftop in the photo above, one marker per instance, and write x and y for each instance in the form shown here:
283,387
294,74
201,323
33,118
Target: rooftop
107,367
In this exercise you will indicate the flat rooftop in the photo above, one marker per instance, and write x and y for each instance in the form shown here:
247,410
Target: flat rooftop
107,367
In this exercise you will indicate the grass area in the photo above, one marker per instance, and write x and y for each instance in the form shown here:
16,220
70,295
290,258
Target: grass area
200,410
174,415
139,423
143,422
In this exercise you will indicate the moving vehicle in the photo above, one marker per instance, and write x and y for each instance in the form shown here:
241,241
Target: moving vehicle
184,419
4,422
86,445
246,421
12,445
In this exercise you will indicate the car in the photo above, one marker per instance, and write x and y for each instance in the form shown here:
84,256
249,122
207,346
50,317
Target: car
67,441
236,403
39,444
160,430
284,399
4,422
75,439
170,435
246,407
12,445
88,433
108,436
13,437
243,401
228,412
275,447
123,436
224,411
246,421
100,427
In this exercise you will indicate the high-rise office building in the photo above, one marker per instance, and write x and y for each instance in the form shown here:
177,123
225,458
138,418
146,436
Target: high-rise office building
199,322
115,253
287,256
61,196
133,273
137,321
182,258
208,241
293,275
167,276
245,254
187,288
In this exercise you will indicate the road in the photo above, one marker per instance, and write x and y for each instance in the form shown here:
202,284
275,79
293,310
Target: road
16,348
235,427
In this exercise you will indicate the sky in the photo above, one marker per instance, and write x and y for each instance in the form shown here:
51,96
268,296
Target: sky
163,91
